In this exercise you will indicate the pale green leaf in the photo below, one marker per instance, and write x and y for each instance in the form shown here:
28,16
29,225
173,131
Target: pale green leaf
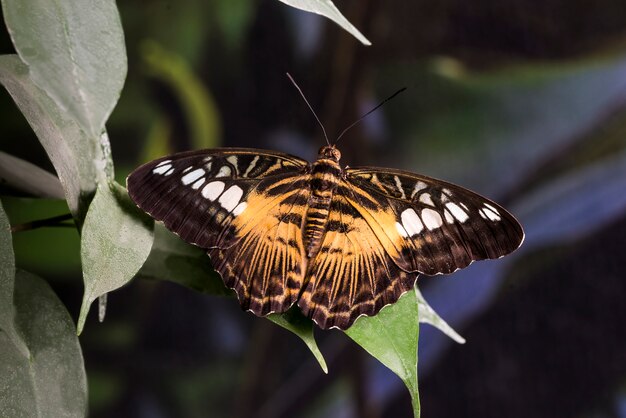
7,283
79,160
294,321
428,316
391,337
116,241
174,260
75,51
48,380
327,8
26,177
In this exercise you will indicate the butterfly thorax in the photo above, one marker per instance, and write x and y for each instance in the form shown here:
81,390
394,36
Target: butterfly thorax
325,176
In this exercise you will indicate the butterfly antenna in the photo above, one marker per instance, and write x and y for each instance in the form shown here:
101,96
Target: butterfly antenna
310,107
365,115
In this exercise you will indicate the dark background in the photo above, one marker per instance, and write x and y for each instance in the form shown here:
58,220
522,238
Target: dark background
522,101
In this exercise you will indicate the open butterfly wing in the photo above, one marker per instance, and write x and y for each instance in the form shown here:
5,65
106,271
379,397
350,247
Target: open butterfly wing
352,274
240,205
267,265
430,226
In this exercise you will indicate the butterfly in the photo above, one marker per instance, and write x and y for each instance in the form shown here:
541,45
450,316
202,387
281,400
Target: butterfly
338,242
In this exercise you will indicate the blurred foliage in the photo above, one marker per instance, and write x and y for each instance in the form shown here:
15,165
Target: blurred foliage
525,103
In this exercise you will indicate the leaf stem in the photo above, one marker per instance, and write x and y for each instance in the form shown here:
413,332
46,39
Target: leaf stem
55,221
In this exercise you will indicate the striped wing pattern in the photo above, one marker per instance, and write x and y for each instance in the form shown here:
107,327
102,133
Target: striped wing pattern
239,204
339,243
431,226
352,274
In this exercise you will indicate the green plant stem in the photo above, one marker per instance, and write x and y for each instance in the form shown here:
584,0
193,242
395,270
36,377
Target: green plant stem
55,221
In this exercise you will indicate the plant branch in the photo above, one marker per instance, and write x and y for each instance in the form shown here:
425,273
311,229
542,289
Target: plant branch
55,221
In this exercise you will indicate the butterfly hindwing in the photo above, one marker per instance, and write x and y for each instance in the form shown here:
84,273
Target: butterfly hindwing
352,273
432,226
266,266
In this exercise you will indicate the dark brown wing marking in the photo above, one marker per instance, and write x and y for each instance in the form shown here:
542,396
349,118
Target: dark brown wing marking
244,206
439,227
352,274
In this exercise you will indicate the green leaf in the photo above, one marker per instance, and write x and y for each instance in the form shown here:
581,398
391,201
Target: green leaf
198,104
26,177
48,380
75,51
294,321
391,337
428,315
327,8
173,259
7,282
79,160
116,241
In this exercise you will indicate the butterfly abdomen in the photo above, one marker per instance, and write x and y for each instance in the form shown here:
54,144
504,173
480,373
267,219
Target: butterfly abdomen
325,176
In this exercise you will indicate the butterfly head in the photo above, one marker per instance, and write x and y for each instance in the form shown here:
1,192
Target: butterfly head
330,152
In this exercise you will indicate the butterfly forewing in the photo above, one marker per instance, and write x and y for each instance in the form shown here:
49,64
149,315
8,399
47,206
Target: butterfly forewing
242,206
435,227
198,194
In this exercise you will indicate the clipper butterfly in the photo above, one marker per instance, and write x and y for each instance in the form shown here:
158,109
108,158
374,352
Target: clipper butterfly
338,242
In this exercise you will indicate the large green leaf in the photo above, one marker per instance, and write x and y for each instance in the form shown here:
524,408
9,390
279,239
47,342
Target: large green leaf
328,9
75,51
116,241
26,177
41,365
49,380
7,280
79,160
391,337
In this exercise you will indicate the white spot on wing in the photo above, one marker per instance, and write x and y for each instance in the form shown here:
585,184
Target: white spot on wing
399,186
193,176
251,166
170,171
426,199
208,166
230,198
197,184
212,190
411,222
491,208
240,208
448,216
401,230
224,171
457,212
164,162
186,170
161,169
431,219
420,185
232,159
491,213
